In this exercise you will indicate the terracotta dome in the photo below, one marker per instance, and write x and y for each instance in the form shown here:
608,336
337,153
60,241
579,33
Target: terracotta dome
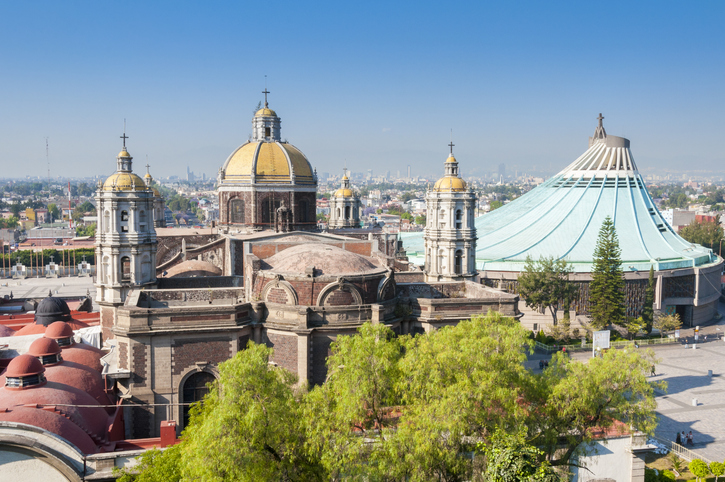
81,377
328,259
78,406
24,366
58,330
53,422
193,269
51,309
37,329
44,347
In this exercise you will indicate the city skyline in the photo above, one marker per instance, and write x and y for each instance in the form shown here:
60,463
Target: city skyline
379,86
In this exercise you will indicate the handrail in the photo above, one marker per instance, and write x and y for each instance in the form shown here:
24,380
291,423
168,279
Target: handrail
613,344
681,451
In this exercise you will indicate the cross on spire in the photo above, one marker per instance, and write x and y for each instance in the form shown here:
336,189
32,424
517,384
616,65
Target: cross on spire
451,146
600,118
265,92
124,137
147,168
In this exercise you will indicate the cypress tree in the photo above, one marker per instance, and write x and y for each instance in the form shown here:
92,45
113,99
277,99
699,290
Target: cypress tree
649,299
606,290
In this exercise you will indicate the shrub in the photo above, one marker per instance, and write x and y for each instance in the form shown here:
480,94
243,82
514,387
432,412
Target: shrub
667,476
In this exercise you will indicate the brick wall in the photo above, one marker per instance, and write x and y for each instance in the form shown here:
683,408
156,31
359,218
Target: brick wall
107,321
187,353
363,248
285,350
123,355
340,298
139,365
277,295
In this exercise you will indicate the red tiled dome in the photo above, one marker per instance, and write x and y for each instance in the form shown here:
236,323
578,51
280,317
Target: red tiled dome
35,328
43,347
24,366
81,377
58,329
51,421
87,355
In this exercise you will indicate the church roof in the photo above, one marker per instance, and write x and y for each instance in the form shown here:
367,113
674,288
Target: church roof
268,163
562,218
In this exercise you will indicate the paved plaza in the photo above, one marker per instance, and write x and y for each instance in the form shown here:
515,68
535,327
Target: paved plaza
38,287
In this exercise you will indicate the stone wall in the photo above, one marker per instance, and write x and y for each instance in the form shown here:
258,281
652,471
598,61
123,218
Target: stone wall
285,349
187,353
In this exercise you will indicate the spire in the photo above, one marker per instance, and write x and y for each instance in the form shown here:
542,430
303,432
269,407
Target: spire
265,92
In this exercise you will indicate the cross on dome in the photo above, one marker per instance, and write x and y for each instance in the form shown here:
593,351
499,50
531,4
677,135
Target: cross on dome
265,92
124,137
600,119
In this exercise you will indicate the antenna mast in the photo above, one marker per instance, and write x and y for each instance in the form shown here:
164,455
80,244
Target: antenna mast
47,160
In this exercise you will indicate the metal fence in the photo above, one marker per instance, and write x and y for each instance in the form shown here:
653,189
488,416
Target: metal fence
682,452
614,344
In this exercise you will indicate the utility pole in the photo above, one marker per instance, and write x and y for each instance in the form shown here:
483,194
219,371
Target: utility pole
47,160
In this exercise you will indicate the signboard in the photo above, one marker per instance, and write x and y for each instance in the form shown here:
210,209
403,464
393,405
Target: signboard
600,341
677,333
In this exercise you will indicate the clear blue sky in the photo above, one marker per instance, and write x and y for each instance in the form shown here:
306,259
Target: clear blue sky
372,84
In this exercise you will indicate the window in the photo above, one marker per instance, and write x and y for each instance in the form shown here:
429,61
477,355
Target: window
195,387
142,221
125,268
303,212
347,212
124,229
236,208
267,132
268,210
106,221
459,262
124,215
459,219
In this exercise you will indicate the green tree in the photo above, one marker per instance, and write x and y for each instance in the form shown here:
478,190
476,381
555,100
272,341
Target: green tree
509,459
420,220
83,230
249,425
717,469
356,404
495,205
706,233
634,326
606,290
545,285
154,465
664,322
16,208
699,469
53,211
649,300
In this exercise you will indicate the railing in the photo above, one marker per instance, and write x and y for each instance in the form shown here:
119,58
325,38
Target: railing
680,451
614,344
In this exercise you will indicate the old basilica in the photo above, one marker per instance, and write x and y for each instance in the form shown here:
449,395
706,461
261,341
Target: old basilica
175,303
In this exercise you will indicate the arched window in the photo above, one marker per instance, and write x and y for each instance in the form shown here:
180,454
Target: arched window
125,268
195,387
459,219
142,221
459,262
339,213
303,212
347,213
269,209
124,221
236,208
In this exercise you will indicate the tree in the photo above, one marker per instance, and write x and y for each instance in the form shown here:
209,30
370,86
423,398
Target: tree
606,290
664,322
495,205
249,425
356,402
545,284
705,233
83,230
717,469
420,220
16,208
154,465
649,300
699,469
53,211
509,459
634,326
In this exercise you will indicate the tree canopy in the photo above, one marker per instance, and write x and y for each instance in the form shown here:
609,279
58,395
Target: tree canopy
545,285
402,408
606,290
705,233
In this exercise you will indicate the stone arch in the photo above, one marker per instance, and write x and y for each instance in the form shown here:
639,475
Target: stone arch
236,210
207,372
386,287
279,284
340,285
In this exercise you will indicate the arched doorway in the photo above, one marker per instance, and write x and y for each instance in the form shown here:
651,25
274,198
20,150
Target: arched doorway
195,387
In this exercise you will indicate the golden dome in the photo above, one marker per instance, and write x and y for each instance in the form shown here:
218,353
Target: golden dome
147,176
156,192
451,159
264,112
343,192
270,162
124,181
450,183
124,153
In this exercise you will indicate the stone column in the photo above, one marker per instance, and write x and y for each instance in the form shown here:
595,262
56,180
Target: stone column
303,356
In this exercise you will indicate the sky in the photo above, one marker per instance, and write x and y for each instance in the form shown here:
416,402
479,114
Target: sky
367,85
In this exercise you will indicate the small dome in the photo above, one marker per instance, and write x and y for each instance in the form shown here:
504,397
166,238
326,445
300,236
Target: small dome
51,309
24,366
328,259
343,192
124,153
451,159
124,181
44,347
450,183
265,112
193,268
53,422
58,330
